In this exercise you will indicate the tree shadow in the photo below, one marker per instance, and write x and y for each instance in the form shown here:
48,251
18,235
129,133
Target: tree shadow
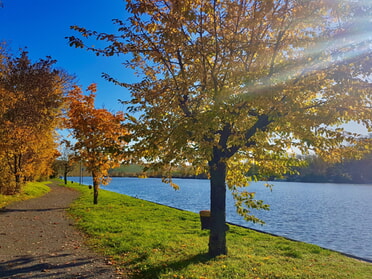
5,210
47,266
156,270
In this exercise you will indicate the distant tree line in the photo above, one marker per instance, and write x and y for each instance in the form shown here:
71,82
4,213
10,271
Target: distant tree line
316,170
349,171
132,170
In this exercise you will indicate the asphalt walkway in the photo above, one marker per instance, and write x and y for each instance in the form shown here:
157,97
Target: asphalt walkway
37,240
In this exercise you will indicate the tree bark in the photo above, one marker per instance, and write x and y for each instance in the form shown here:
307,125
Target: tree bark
18,184
65,176
95,189
17,176
217,238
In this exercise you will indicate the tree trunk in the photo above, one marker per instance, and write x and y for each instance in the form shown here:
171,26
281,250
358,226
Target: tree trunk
18,184
95,189
217,238
17,176
65,176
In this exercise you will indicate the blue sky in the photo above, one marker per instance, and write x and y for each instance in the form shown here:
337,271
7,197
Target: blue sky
42,25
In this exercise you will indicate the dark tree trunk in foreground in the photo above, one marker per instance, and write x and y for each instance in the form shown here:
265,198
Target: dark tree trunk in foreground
217,238
18,184
95,189
16,171
65,177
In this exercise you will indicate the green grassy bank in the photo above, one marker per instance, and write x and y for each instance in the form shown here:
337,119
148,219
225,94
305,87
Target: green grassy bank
147,240
30,190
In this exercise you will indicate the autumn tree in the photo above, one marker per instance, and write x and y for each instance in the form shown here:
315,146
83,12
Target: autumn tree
5,183
227,85
31,99
66,158
98,134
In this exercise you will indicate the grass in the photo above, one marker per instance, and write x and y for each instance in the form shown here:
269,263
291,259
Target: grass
29,191
146,240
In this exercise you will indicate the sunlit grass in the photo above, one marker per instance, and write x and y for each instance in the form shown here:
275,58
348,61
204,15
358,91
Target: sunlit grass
30,190
147,240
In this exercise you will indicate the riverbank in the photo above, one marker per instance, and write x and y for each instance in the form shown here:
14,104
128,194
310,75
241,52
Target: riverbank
333,216
154,241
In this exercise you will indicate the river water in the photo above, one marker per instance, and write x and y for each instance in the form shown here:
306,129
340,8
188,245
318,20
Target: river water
333,216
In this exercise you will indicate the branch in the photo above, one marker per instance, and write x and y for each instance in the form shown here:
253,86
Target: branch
261,124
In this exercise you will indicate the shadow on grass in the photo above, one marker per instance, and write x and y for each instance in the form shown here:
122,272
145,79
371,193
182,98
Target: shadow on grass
156,270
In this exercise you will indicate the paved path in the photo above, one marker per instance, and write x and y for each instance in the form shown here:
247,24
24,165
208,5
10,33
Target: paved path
37,240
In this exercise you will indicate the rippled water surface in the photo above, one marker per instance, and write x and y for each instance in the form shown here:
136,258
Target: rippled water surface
334,216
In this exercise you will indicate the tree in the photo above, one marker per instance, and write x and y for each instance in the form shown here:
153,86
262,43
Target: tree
99,135
65,161
31,100
227,85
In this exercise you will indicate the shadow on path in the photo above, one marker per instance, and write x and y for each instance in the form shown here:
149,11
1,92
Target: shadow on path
6,210
46,266
38,241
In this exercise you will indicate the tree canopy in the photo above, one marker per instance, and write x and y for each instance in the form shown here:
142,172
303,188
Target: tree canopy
99,135
227,85
31,101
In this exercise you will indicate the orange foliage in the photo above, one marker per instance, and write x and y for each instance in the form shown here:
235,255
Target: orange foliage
31,100
98,132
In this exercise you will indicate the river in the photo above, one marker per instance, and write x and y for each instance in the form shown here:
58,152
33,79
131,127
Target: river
333,216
